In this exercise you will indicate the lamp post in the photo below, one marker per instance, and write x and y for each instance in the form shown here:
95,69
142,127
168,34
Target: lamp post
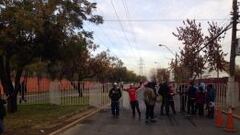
161,45
172,52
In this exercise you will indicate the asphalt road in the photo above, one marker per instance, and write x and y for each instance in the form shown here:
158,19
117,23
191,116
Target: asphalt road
103,124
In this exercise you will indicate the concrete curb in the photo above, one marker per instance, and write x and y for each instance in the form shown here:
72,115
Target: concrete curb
234,115
85,115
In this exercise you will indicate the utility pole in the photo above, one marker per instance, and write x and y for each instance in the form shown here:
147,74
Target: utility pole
234,38
232,96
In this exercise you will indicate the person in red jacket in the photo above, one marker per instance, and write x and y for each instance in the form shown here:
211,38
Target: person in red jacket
132,91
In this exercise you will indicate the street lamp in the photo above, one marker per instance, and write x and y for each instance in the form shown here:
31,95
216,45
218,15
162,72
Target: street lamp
161,45
173,53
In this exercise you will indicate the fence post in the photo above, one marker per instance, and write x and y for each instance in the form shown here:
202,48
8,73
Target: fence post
54,92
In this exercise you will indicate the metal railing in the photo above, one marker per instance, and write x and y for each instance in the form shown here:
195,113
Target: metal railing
220,85
64,92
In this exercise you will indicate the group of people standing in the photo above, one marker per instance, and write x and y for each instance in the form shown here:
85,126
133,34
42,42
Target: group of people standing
197,99
193,98
150,96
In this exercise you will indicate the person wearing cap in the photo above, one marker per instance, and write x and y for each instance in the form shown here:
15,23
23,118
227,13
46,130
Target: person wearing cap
115,94
132,92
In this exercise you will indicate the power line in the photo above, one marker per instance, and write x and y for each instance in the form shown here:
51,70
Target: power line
229,26
122,28
162,20
108,39
128,15
102,41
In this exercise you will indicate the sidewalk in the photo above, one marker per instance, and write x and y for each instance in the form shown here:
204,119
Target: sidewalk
236,111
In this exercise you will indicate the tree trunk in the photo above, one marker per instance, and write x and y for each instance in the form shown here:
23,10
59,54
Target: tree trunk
13,98
10,90
7,84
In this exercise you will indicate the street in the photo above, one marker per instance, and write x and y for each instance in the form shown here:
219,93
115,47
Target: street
103,124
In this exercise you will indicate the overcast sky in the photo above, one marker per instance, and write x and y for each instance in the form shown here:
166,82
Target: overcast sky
136,28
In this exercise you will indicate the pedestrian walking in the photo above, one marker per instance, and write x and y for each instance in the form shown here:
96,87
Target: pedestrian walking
2,115
163,91
170,101
211,95
132,91
191,99
149,99
115,94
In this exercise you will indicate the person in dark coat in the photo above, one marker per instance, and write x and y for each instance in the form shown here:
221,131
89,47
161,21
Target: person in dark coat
200,101
163,91
191,99
115,94
2,114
